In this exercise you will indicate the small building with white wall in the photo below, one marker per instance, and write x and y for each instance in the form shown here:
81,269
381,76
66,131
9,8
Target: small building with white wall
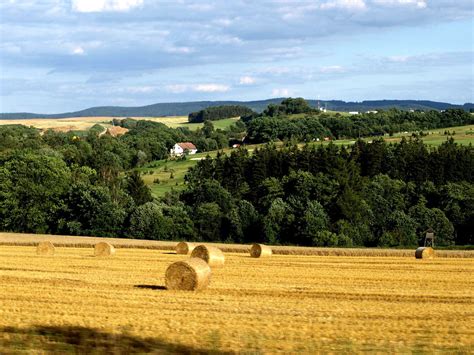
183,148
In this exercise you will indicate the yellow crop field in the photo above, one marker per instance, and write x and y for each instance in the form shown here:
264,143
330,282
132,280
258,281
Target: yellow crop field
74,302
61,124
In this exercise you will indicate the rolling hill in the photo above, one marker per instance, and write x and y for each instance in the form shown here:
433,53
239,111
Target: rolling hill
184,108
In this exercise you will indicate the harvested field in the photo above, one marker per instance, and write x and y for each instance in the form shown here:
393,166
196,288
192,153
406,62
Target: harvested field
77,303
79,242
84,123
61,124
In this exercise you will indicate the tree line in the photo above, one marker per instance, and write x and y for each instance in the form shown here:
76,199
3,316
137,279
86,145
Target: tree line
277,123
80,183
218,113
374,194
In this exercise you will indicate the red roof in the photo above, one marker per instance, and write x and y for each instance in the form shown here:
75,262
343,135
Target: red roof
186,145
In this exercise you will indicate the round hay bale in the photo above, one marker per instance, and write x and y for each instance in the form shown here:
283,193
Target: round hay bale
260,251
45,248
104,249
189,275
211,255
424,253
184,248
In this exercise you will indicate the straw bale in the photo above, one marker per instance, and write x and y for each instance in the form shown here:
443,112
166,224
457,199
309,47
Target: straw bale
260,251
212,255
184,248
104,249
424,253
189,275
45,248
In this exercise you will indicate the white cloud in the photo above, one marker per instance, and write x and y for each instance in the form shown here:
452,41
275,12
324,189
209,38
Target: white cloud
344,4
78,51
225,22
177,88
280,92
418,3
332,69
211,88
179,50
104,5
247,80
140,89
398,58
181,88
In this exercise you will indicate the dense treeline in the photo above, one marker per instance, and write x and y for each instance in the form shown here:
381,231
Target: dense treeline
373,195
83,183
218,113
276,123
369,195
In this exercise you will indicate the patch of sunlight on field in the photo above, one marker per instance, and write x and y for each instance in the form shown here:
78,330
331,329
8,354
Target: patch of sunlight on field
77,303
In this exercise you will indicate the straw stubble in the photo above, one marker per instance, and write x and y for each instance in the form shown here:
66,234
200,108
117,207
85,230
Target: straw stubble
45,248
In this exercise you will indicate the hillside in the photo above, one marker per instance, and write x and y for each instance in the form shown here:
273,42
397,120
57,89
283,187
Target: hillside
184,108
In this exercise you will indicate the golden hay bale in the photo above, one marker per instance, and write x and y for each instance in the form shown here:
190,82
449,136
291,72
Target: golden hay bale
189,275
424,253
211,255
260,251
104,249
184,248
45,248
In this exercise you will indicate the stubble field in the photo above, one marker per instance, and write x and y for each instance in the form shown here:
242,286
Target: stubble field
85,123
76,302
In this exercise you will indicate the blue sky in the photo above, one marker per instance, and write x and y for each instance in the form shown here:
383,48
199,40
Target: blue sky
65,55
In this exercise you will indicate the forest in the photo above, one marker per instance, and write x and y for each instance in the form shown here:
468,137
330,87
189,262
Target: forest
368,194
218,113
278,122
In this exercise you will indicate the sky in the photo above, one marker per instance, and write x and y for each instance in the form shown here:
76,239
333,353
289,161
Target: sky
66,55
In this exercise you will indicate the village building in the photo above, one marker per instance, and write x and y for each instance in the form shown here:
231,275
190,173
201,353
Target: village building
183,148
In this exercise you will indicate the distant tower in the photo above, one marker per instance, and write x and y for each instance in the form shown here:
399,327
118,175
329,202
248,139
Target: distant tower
429,238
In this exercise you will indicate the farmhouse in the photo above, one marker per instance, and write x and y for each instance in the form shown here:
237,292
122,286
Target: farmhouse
183,148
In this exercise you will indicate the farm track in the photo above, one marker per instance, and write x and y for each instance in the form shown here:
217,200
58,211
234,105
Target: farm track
19,239
74,302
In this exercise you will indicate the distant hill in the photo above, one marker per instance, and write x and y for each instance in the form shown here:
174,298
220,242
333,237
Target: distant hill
184,108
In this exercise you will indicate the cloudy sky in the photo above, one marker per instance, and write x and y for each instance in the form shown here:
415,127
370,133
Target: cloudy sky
65,55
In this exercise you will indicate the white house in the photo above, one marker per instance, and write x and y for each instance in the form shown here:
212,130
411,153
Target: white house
183,148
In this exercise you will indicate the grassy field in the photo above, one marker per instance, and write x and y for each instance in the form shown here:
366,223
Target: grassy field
462,135
73,302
